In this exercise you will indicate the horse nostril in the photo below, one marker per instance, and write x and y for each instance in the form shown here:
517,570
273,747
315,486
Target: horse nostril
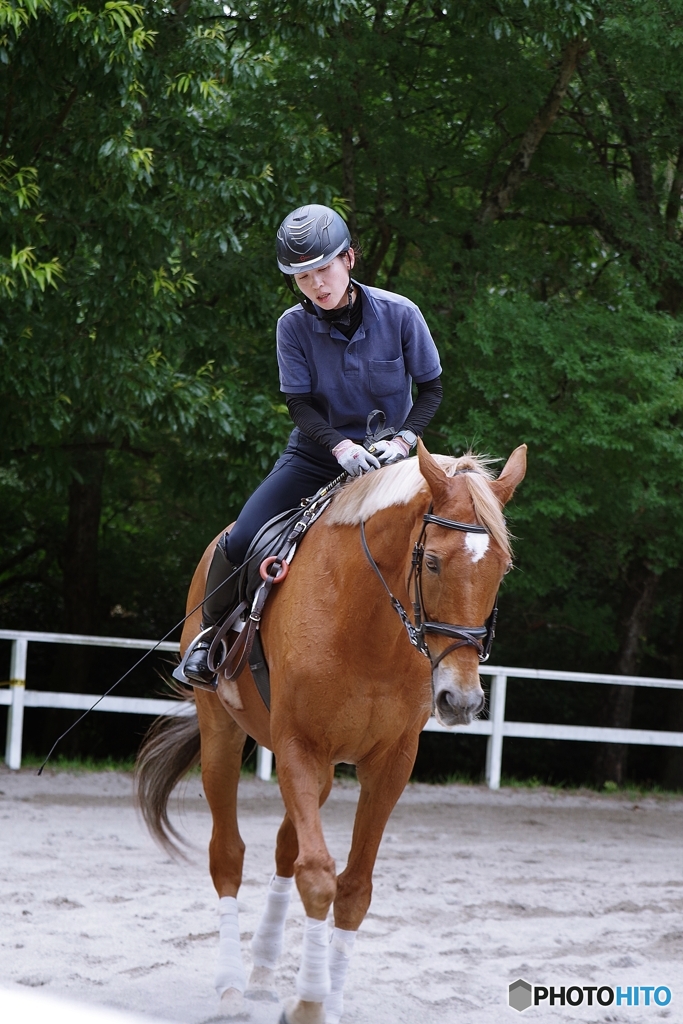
480,705
447,702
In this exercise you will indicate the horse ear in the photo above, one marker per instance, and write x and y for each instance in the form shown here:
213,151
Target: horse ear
512,475
431,471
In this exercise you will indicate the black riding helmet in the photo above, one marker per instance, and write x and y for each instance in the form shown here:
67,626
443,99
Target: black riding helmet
308,238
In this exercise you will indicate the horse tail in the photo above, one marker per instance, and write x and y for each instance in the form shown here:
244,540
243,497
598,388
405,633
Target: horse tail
170,748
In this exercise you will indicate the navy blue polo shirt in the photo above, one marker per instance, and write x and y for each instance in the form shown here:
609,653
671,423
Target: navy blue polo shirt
374,370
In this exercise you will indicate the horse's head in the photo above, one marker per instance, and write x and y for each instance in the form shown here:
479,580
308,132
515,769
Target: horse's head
462,571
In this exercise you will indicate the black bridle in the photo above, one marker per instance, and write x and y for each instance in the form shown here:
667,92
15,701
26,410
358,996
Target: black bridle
479,637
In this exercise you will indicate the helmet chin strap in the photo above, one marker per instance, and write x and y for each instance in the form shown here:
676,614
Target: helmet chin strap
305,302
338,316
341,318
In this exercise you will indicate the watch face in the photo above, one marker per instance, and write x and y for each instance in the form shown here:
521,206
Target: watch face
409,437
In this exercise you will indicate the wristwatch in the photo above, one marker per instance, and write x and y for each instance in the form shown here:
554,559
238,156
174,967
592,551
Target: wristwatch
409,436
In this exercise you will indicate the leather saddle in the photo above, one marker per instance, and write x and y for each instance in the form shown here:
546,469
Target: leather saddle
269,541
267,563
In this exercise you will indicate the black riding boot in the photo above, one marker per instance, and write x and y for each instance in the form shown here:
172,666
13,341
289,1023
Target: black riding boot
216,605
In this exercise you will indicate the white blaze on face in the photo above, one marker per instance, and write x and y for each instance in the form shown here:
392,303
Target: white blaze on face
477,544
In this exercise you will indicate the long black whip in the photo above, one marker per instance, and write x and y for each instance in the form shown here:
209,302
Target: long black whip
140,661
309,501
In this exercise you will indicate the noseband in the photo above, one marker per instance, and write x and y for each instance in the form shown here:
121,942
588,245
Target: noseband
479,637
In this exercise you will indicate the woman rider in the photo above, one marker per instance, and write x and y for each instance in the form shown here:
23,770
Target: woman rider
343,350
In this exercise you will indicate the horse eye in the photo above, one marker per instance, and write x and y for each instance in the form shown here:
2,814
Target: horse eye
508,569
432,563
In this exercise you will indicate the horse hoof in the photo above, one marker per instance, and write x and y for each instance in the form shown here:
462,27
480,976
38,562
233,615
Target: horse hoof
262,995
261,985
232,1003
298,1011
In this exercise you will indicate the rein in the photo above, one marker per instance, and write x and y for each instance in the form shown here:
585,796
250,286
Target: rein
479,637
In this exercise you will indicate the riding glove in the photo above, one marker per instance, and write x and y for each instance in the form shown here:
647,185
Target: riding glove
353,458
392,451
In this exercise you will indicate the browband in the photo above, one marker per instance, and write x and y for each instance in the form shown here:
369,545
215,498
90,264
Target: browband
452,524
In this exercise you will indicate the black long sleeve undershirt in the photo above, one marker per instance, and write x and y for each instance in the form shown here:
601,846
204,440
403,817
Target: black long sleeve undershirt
427,401
310,421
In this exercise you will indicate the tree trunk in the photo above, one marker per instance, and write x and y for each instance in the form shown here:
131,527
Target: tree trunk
673,765
612,758
72,664
349,179
80,548
79,565
495,204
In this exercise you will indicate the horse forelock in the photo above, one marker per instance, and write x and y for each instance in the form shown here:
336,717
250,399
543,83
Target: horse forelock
401,483
487,510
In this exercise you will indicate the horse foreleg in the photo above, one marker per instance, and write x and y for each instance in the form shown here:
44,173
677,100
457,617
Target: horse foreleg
305,783
221,755
268,940
382,780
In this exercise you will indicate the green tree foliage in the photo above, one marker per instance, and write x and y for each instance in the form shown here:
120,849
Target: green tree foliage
516,168
125,325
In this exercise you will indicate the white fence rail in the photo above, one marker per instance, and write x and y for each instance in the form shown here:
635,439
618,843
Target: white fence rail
17,697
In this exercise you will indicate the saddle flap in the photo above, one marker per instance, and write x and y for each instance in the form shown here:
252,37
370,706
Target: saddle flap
268,541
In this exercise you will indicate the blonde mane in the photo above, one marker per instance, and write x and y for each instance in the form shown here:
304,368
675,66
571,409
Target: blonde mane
400,483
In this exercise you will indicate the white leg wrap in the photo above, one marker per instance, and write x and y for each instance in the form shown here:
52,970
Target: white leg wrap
341,948
313,979
266,944
230,971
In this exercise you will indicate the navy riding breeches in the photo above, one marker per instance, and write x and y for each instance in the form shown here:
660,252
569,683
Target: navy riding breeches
301,470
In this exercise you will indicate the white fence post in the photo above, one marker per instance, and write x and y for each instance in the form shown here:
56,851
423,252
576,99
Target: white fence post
494,747
15,712
264,763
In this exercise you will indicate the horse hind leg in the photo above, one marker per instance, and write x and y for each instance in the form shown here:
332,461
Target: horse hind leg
222,742
268,940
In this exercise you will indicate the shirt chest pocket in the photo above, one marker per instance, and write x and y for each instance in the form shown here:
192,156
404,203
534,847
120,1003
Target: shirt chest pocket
387,376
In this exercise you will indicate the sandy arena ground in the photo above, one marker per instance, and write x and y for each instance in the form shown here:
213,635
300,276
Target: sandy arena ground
473,889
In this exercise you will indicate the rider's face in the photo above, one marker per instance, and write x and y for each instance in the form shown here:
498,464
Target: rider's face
328,286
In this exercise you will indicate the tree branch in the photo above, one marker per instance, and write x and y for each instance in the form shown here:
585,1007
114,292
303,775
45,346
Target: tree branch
82,446
673,206
496,203
61,118
641,167
14,581
380,11
349,178
20,556
395,269
4,139
382,248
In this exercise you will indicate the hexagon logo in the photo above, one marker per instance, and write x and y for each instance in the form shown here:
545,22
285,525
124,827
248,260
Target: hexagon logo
519,995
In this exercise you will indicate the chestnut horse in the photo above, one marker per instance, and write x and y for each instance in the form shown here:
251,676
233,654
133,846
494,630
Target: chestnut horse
347,686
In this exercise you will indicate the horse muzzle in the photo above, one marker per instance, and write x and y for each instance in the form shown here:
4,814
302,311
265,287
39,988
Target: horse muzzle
456,702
